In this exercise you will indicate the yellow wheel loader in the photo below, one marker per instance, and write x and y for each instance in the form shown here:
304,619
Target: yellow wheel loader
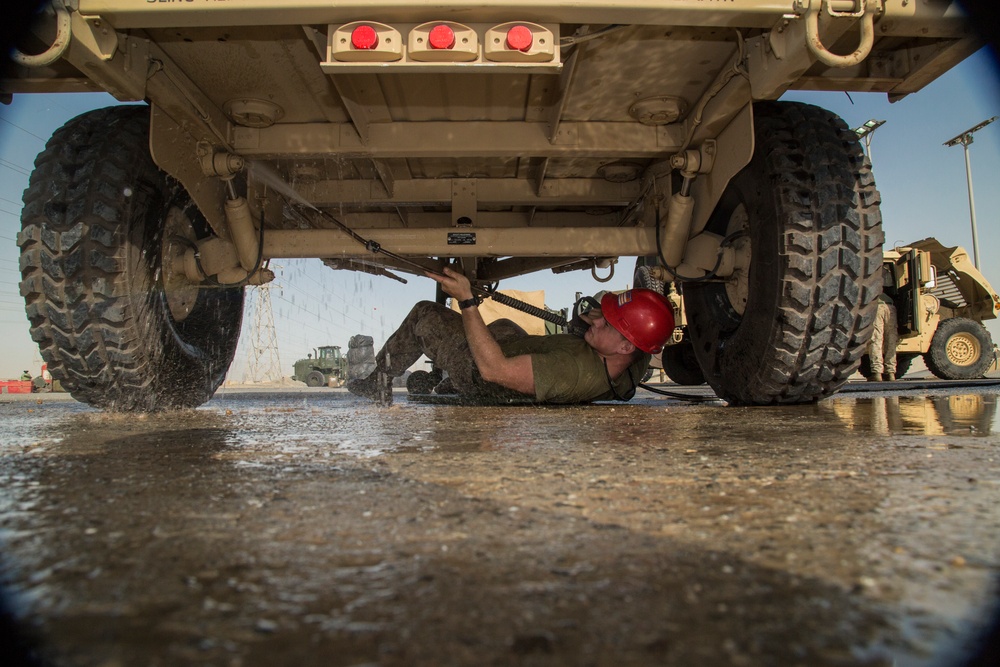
941,301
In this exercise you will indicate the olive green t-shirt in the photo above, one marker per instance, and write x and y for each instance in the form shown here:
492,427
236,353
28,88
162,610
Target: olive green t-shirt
567,370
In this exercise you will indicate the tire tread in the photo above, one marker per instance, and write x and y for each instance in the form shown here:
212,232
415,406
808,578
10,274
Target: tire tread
75,279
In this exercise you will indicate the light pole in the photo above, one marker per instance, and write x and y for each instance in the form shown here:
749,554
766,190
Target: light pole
865,132
965,138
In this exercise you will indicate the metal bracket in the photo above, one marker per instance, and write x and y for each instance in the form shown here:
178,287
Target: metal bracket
857,10
218,163
464,201
696,161
99,37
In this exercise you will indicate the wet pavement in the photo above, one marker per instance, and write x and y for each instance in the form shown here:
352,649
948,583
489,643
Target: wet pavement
311,528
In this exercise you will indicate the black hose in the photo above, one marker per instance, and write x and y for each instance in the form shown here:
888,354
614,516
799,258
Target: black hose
517,304
683,397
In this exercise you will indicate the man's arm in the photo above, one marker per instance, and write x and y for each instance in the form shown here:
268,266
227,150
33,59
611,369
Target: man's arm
512,372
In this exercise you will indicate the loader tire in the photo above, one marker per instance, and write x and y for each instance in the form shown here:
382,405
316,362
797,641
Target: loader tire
792,327
903,362
643,278
315,379
681,366
110,327
961,349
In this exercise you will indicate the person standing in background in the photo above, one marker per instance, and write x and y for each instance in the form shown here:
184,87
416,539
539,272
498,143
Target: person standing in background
885,338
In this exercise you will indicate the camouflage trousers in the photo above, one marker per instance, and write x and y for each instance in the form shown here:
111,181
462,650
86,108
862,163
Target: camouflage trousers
885,338
437,331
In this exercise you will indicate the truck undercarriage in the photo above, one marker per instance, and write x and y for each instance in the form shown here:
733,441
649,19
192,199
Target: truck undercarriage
551,136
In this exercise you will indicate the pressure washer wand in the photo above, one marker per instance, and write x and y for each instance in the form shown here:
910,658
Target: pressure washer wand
504,299
376,248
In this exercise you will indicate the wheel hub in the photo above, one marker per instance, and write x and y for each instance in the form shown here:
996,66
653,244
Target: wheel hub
181,294
962,349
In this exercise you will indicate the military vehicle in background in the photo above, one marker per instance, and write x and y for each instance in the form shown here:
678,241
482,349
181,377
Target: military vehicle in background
508,137
941,300
325,366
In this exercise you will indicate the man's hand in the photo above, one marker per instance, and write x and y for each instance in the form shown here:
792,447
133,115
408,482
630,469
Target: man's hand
454,284
511,372
585,311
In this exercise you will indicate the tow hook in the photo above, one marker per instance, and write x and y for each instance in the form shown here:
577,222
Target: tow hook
859,9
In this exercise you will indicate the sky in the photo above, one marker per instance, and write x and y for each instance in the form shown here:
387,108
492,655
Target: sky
923,186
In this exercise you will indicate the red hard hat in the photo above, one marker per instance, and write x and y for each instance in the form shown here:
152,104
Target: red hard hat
643,316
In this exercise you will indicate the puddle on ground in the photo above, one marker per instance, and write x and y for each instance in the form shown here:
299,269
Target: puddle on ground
853,530
959,415
290,425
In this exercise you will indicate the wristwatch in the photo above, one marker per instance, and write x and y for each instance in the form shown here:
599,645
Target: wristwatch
469,303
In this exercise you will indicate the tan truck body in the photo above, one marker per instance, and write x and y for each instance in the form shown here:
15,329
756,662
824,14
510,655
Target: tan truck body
511,138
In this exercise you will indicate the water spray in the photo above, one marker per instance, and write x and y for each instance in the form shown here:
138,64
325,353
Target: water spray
268,176
376,248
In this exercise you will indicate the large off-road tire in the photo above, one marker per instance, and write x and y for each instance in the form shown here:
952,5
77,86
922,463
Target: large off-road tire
792,327
961,349
315,379
642,276
681,366
903,362
98,219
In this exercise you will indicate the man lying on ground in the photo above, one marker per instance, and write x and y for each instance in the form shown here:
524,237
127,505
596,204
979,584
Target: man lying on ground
500,361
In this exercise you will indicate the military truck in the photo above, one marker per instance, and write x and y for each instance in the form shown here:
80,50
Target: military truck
325,366
509,138
941,300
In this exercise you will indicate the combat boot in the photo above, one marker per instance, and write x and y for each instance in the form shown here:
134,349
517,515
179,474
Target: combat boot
874,377
889,377
376,387
445,386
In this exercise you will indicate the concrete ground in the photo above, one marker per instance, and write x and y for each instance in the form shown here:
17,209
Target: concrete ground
310,527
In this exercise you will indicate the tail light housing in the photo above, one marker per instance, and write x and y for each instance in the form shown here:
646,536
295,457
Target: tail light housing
364,42
372,46
519,42
443,41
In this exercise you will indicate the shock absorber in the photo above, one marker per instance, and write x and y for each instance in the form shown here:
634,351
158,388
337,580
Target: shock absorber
237,261
242,228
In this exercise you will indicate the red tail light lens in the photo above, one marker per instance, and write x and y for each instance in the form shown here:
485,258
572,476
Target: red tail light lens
519,38
442,37
364,37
